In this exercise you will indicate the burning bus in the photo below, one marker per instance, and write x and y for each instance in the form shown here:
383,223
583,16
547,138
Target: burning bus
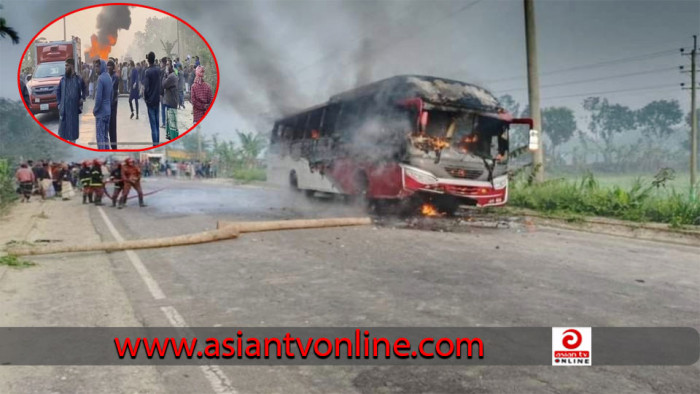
410,137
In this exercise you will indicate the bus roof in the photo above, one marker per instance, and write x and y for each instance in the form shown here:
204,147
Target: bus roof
434,90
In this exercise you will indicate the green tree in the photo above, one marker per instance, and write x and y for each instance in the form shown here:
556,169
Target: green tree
6,30
21,138
607,120
657,118
559,125
508,102
252,144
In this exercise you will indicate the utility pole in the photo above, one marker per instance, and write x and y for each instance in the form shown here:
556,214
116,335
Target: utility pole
177,27
693,118
64,28
533,83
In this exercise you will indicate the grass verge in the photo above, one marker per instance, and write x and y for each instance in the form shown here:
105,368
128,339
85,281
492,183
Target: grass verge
641,202
11,260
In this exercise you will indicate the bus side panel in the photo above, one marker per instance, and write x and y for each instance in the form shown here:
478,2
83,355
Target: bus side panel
385,180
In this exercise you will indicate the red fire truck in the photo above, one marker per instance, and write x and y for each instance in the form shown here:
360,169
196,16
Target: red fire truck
49,67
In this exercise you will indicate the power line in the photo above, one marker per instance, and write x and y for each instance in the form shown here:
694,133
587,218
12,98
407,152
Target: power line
665,69
593,65
657,87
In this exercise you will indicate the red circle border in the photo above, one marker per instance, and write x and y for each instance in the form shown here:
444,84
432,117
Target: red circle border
216,63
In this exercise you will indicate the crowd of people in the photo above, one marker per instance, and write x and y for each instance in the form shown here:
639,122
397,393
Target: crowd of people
93,178
59,179
163,87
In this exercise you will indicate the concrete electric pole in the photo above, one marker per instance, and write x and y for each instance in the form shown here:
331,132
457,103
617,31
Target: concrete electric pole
533,83
693,117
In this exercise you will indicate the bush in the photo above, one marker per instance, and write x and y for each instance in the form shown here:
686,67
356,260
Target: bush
638,203
249,174
7,185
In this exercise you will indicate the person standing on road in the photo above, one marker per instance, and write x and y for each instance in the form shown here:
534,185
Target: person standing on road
116,177
113,105
131,175
25,178
125,77
151,95
163,65
103,105
69,96
85,176
97,182
134,81
170,99
200,95
180,87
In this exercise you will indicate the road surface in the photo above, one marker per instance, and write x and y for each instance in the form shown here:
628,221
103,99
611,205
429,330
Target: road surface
393,275
133,133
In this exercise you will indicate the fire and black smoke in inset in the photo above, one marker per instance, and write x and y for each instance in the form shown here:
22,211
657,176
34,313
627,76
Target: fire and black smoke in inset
110,20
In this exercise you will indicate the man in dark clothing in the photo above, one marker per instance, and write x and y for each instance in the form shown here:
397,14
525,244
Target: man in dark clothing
151,95
113,106
135,82
97,181
103,105
70,95
85,176
163,107
116,177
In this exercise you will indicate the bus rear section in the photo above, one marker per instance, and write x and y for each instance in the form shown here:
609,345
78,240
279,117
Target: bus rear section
398,144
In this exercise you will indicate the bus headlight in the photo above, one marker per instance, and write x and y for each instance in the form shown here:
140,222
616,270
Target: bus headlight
500,182
422,177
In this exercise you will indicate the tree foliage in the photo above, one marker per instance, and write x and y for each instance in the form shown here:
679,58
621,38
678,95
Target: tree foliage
7,31
607,120
558,124
21,138
657,118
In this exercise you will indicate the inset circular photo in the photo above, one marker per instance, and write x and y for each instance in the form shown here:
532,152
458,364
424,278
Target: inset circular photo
118,77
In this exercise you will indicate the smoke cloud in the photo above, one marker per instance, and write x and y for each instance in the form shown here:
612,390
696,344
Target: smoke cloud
110,20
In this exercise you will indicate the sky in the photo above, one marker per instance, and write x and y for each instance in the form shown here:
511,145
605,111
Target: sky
276,55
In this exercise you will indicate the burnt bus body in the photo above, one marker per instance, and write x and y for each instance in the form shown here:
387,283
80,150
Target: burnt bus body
406,136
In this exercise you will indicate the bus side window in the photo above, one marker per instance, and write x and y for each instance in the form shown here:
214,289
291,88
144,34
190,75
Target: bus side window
313,124
299,123
329,120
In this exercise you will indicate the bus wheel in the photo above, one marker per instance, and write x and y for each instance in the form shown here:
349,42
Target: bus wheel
447,205
293,181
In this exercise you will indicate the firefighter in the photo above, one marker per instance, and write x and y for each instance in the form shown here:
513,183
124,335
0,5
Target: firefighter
97,181
85,175
131,174
116,177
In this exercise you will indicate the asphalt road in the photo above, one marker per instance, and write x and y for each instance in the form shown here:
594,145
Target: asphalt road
133,133
398,274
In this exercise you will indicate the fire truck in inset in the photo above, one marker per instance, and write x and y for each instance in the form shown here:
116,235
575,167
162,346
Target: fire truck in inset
49,68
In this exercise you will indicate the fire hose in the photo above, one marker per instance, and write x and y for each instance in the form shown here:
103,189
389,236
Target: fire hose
225,230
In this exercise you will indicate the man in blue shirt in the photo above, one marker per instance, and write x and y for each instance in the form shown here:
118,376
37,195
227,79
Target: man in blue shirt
103,104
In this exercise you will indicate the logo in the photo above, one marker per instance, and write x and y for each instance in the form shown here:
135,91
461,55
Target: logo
571,346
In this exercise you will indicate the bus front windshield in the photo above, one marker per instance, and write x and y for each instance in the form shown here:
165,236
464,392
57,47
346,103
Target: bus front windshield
465,133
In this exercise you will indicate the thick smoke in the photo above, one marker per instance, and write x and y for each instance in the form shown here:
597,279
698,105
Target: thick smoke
110,20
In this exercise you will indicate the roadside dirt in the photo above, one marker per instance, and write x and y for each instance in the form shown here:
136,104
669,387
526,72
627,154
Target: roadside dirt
64,291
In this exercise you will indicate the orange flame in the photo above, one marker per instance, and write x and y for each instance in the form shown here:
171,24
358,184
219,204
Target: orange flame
429,210
98,50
